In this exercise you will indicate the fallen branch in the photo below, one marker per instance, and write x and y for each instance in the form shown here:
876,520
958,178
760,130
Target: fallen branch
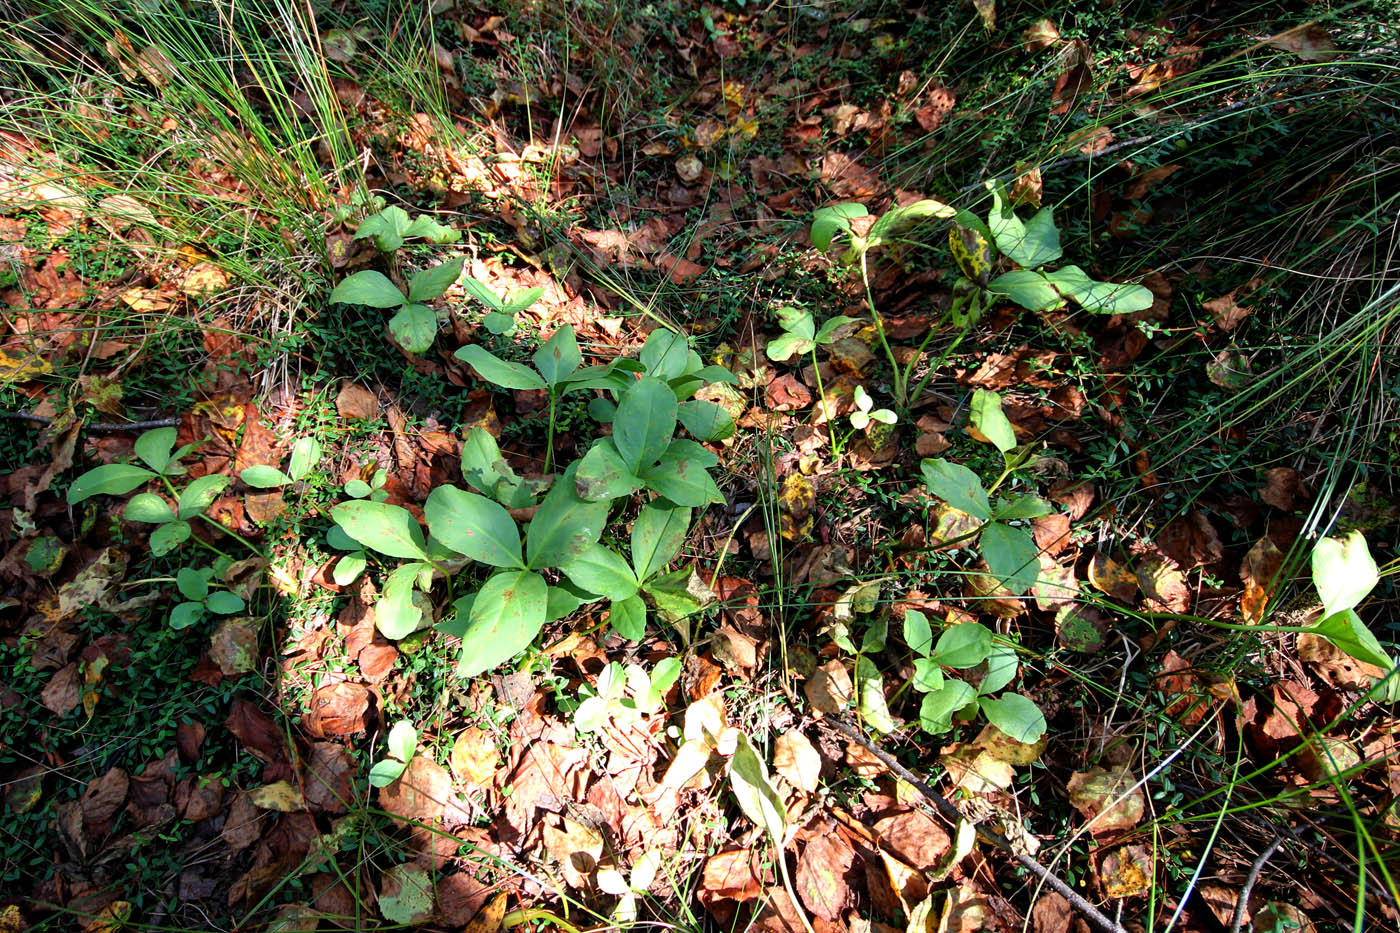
99,427
948,809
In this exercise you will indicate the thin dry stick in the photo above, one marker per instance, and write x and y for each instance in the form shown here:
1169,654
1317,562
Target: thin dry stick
945,807
100,428
1237,922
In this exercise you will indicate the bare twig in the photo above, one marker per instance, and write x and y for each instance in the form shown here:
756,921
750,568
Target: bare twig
1237,922
944,806
100,427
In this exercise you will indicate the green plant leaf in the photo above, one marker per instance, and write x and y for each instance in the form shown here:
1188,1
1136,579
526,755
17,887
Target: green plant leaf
500,323
665,354
964,645
928,676
414,328
603,571
991,421
348,568
113,479
918,634
705,420
475,526
628,617
396,615
148,507
1016,716
201,493
564,525
306,454
896,220
389,529
870,686
499,372
387,228
186,614
828,221
408,902
683,476
562,601
784,346
432,231
192,584
748,776
1346,630
958,486
644,423
602,476
264,477
385,772
522,299
168,537
1029,244
657,537
1021,507
559,356
507,614
1027,288
485,294
155,448
1002,664
1343,572
1011,555
434,282
937,709
1099,297
679,594
225,603
370,288
403,740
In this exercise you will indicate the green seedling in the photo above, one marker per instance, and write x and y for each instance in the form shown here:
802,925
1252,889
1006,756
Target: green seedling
1006,544
415,324
200,600
403,742
373,489
626,696
801,335
965,646
627,889
500,320
1344,573
391,226
306,454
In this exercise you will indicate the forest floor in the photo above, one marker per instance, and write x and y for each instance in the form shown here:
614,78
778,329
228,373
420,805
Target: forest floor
980,512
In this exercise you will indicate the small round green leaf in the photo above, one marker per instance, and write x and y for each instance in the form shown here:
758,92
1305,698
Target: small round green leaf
201,493
224,603
192,583
1015,715
186,614
168,537
264,477
964,645
148,507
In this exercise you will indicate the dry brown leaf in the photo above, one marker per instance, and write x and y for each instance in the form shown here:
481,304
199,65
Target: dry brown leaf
739,875
1283,487
62,694
104,796
475,758
1126,872
915,837
1259,572
356,403
821,870
327,780
1112,578
1095,794
797,761
577,849
1334,665
337,709
829,689
420,793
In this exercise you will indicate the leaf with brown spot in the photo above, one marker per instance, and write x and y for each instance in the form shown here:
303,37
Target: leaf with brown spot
234,646
1334,665
1163,584
1112,578
821,871
1126,872
1259,571
1107,798
337,709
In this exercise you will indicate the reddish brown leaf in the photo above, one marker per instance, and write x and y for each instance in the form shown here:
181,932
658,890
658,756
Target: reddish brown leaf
915,837
821,882
337,709
189,736
1259,571
244,824
1282,488
355,403
327,779
256,730
63,692
104,796
1107,798
739,875
420,794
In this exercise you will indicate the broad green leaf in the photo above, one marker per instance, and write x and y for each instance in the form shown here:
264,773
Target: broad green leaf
480,453
484,293
1027,288
1028,244
388,529
784,346
474,525
186,614
559,356
827,329
306,454
113,479
500,372
918,634
602,410
1011,555
370,288
898,219
507,614
602,476
1346,630
358,489
200,494
385,772
168,537
628,617
414,328
991,421
609,378
225,603
403,740
192,584
396,615
682,475
564,525
499,323
603,571
338,539
387,228
666,672
705,420
562,601
1016,716
748,776
264,477
148,507
348,568
958,486
797,322
665,354
1002,664
827,221
1021,507
657,537
964,645
432,231
522,299
928,676
679,594
936,711
874,711
644,423
1099,297
1343,572
433,283
155,447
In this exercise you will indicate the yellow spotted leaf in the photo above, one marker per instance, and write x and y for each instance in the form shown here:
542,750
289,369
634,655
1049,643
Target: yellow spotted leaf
19,365
972,253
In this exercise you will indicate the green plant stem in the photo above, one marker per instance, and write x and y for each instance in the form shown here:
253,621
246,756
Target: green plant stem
900,399
826,408
521,917
549,441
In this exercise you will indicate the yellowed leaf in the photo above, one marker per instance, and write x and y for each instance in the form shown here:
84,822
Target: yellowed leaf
282,796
